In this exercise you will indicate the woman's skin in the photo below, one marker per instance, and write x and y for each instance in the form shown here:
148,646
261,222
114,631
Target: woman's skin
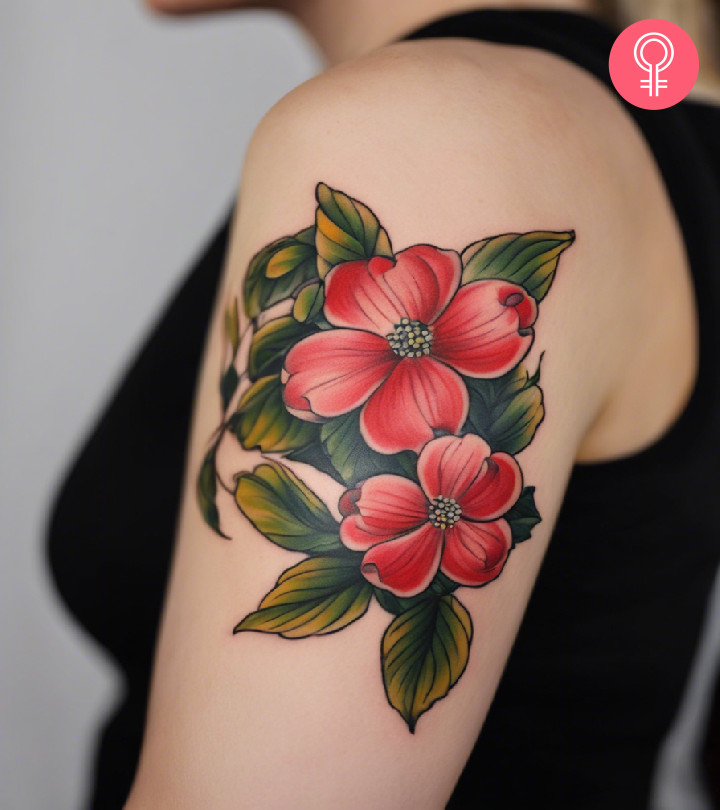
448,142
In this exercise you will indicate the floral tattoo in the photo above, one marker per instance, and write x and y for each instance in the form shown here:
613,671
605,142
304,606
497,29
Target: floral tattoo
399,376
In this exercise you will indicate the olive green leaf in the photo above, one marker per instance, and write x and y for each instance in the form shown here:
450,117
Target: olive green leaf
345,230
424,652
506,411
262,421
528,259
206,491
286,511
316,597
523,516
276,271
309,303
353,459
232,326
270,344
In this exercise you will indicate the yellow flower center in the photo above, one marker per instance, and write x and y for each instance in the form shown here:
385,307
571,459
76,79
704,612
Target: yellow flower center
410,338
444,512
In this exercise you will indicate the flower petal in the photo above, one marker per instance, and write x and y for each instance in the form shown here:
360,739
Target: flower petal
383,507
485,331
475,553
407,564
496,487
330,373
420,396
448,466
374,295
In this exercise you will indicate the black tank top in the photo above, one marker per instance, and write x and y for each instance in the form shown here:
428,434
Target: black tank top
598,669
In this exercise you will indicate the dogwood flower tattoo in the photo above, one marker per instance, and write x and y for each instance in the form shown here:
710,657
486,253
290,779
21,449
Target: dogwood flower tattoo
400,376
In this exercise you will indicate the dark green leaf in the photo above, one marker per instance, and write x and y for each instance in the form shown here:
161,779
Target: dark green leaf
345,230
353,459
206,490
528,259
228,385
263,422
424,652
396,604
286,511
309,303
506,411
523,516
316,597
276,271
270,344
440,586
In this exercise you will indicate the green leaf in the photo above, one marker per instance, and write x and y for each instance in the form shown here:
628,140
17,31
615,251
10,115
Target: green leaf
286,511
345,230
228,385
316,597
424,652
528,259
353,459
263,422
276,271
270,344
309,303
523,516
440,586
506,411
396,604
232,326
206,490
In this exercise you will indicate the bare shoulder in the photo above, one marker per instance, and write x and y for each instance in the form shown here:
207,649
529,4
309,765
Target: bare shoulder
524,125
459,90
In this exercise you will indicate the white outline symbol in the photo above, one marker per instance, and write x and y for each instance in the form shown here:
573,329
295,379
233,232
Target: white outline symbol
654,82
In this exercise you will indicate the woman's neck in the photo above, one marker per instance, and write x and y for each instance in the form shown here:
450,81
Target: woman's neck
345,29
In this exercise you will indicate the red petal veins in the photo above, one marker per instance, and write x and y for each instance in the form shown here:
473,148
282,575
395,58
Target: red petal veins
420,396
449,465
385,506
496,487
407,564
374,295
425,280
330,373
475,553
355,299
485,331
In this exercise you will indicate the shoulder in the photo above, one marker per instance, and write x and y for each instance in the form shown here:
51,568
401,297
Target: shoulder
458,91
446,123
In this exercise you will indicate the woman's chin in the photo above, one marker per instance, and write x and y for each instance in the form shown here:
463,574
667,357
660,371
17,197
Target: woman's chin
200,6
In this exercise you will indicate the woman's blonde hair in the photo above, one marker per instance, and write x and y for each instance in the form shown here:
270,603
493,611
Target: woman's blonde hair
700,18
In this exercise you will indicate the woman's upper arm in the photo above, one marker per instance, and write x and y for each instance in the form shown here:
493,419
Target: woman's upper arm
392,398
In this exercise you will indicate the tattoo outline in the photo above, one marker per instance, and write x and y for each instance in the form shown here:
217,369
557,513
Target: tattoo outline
434,500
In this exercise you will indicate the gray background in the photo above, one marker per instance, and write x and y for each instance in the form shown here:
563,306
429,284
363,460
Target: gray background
121,139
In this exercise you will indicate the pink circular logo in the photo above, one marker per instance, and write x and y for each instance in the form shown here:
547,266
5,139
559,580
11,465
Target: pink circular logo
654,64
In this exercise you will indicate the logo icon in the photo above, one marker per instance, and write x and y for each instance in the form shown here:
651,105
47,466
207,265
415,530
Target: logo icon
654,83
653,64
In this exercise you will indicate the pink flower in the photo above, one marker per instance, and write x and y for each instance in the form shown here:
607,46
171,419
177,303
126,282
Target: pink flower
452,521
407,330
